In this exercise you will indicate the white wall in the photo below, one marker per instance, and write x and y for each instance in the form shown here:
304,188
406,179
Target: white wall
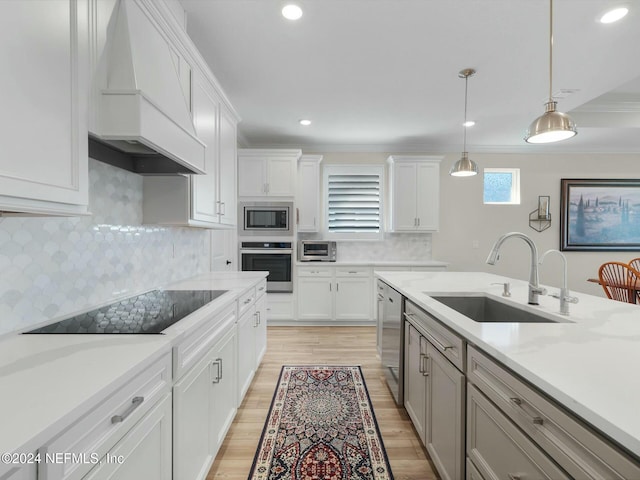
465,219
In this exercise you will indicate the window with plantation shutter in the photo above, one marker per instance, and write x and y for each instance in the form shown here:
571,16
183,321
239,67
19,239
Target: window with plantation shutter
353,201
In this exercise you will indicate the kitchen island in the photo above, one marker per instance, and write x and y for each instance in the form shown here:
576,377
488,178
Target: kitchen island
584,361
51,382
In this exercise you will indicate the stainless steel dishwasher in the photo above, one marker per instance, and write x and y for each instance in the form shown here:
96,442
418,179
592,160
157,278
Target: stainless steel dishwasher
392,342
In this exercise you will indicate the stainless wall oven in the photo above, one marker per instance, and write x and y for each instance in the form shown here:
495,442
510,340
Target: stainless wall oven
265,218
273,257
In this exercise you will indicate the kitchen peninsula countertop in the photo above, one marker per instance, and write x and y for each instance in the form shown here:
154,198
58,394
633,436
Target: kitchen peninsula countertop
49,381
586,363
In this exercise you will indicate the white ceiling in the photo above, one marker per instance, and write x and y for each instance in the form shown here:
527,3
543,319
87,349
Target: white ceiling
382,75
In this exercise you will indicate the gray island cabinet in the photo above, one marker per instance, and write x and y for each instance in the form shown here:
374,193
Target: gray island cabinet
480,420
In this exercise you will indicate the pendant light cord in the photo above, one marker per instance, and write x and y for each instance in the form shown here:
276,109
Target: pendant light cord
551,50
464,125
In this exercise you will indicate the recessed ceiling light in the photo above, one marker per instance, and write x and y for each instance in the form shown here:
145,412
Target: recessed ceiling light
614,15
291,11
305,122
469,123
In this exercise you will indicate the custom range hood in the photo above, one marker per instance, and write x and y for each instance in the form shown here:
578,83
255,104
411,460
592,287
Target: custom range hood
142,122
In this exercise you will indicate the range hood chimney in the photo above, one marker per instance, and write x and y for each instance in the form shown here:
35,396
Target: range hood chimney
143,121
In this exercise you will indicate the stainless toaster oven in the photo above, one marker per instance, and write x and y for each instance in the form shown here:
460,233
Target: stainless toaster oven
317,251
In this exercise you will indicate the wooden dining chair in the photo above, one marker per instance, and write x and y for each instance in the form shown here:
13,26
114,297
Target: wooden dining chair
615,280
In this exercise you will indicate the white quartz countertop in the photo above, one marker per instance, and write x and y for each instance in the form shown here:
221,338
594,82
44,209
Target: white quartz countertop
50,380
587,363
380,263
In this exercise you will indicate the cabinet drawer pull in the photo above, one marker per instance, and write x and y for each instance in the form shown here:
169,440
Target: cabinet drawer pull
248,300
514,476
135,403
260,289
518,402
259,317
380,297
439,345
352,272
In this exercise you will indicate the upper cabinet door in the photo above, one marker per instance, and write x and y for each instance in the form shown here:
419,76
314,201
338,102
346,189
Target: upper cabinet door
281,179
308,194
43,139
415,193
206,108
404,193
227,168
428,196
252,177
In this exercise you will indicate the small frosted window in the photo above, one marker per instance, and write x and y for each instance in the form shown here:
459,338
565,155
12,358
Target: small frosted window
501,185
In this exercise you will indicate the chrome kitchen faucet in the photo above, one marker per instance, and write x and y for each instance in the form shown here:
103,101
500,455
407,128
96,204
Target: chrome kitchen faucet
534,288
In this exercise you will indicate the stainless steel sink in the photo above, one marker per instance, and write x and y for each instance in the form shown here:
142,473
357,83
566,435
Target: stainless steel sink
485,309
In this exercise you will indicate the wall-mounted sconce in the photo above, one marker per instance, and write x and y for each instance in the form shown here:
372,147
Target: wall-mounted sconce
540,219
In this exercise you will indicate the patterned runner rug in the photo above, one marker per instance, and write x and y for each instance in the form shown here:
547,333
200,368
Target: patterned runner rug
321,426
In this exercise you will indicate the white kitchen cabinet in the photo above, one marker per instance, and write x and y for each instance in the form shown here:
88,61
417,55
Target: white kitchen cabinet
252,335
199,200
224,377
205,394
224,250
44,135
134,414
192,399
308,194
280,306
315,296
22,472
144,452
415,193
334,294
267,173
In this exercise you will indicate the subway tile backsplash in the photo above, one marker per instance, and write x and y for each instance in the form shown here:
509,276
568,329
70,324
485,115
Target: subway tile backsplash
394,247
53,266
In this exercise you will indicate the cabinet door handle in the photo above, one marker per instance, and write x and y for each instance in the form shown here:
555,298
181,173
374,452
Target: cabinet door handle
329,286
218,363
297,216
514,476
424,367
421,362
248,300
255,319
224,208
135,403
261,288
337,287
259,317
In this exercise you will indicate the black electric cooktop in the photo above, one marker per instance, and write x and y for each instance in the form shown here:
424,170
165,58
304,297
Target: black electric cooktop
150,312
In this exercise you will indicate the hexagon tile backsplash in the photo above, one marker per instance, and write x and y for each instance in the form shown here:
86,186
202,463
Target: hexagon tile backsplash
56,266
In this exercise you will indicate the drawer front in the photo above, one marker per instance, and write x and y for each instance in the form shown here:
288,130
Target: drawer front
190,350
261,288
580,451
319,271
447,342
499,450
246,301
97,432
352,272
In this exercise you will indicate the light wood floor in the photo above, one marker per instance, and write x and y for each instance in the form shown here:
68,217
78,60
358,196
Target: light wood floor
321,345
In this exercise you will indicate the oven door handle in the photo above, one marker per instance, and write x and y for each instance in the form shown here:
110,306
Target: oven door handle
268,251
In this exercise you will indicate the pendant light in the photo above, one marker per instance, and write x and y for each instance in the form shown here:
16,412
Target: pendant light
465,167
551,126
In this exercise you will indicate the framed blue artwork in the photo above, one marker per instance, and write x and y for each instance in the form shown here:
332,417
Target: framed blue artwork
600,214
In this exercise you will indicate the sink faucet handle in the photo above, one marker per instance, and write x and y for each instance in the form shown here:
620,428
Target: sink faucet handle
506,288
539,290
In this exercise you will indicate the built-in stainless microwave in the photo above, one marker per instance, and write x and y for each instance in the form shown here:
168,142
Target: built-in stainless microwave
265,218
